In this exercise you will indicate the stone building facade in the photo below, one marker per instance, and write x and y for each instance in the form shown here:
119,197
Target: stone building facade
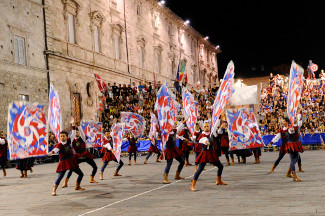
23,74
122,41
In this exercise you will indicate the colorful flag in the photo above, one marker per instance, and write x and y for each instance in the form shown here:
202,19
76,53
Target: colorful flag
182,70
54,113
167,110
296,83
101,84
116,134
190,110
93,132
133,123
243,130
27,133
224,94
153,128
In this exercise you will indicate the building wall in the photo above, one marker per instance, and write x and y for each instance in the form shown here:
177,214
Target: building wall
138,23
21,18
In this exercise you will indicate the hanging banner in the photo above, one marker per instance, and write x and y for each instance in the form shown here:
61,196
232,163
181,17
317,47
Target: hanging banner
243,130
93,132
27,133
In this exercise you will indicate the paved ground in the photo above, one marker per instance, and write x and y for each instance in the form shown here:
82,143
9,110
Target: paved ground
251,191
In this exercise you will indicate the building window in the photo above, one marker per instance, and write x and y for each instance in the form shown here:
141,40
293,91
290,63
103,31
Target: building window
23,97
96,39
173,68
138,10
71,28
117,46
141,57
158,62
20,52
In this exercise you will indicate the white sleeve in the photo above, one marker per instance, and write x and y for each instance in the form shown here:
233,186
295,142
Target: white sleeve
276,138
180,127
291,131
108,146
55,150
2,141
125,139
82,134
73,134
204,140
180,137
220,131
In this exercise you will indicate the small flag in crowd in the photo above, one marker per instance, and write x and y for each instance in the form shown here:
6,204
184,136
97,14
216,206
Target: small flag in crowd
116,134
54,113
190,110
133,123
223,95
153,128
167,111
27,133
101,84
182,70
296,83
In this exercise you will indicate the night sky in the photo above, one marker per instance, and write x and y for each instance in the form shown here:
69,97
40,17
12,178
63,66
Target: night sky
254,33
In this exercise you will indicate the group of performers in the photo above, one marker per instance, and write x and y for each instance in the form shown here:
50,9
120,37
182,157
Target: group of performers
207,145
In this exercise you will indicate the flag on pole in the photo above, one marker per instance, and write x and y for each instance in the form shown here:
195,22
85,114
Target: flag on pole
54,113
153,128
224,94
296,83
101,84
133,123
116,134
167,110
178,68
27,132
190,110
182,70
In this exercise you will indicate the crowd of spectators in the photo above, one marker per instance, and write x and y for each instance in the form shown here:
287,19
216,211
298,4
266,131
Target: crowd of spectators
273,105
141,99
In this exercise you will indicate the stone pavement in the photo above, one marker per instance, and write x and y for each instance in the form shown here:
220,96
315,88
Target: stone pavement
250,190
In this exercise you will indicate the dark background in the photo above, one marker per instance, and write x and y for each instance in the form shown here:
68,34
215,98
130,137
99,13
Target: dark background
254,33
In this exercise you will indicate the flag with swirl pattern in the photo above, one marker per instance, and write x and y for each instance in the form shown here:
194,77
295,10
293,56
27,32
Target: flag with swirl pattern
190,110
223,95
243,130
296,83
27,132
133,123
54,113
116,134
93,132
167,110
153,128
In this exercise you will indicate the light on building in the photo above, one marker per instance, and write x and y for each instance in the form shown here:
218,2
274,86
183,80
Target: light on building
161,3
206,38
186,22
217,46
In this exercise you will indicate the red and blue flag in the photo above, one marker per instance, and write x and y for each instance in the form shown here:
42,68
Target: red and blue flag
133,123
167,110
116,134
243,130
54,113
153,128
296,83
223,95
93,132
27,132
190,107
